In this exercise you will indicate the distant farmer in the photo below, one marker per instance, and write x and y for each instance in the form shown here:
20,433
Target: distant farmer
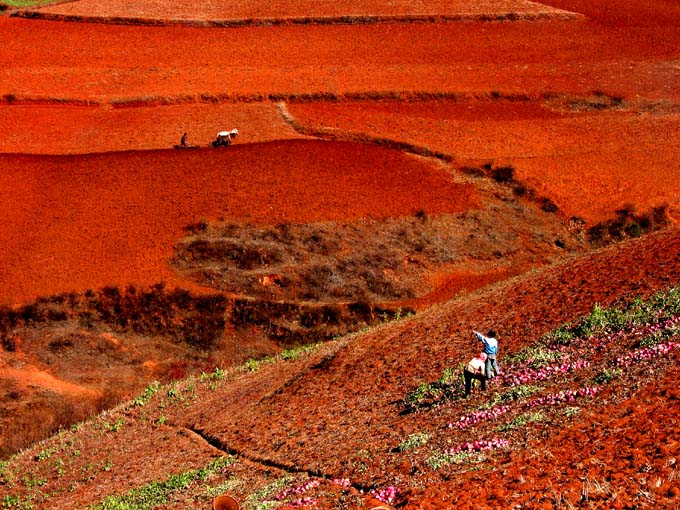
475,369
491,350
183,142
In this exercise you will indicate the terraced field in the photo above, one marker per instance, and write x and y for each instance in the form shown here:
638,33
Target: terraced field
285,319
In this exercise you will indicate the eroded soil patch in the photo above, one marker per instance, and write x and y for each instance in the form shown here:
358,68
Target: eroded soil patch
389,260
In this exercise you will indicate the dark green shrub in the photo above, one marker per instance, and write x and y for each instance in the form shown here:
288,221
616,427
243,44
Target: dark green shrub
503,174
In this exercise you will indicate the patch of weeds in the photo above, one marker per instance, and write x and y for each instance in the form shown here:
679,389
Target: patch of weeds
30,482
7,477
560,336
60,467
440,459
297,352
430,395
226,486
513,394
414,441
252,365
45,454
15,502
157,493
537,356
26,3
162,420
149,392
608,375
522,420
115,426
571,411
258,499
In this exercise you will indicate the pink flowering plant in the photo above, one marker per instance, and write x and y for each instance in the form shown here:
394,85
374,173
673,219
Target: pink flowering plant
474,418
293,496
386,495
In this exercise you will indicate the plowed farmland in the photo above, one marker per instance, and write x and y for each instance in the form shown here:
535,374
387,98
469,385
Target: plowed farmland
285,319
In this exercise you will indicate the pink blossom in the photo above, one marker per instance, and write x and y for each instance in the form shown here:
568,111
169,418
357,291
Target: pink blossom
386,495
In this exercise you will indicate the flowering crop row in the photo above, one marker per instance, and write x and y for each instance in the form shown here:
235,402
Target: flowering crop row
528,374
386,495
478,446
342,482
563,396
645,354
305,501
299,489
655,328
471,419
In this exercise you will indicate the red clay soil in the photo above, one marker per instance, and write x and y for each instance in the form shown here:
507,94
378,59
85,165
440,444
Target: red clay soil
629,156
86,221
68,129
299,9
341,414
109,62
335,415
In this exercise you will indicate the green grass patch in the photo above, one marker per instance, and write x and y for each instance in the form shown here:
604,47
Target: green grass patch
157,493
430,395
26,3
440,459
414,441
522,420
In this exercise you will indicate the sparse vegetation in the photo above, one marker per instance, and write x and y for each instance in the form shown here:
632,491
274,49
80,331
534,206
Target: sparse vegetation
157,493
522,420
429,395
608,375
440,459
627,224
414,441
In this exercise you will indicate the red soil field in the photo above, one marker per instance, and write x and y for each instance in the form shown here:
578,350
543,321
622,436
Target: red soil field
110,62
331,414
74,220
80,222
629,156
286,9
68,129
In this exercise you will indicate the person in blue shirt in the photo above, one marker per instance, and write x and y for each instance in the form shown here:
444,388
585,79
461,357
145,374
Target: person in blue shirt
491,350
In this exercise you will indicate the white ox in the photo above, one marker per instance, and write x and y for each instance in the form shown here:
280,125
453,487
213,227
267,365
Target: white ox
227,136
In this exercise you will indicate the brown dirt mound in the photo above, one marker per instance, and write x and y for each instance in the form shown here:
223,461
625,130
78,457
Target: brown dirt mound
55,207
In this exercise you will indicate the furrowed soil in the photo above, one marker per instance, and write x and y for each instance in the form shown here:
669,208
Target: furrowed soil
500,130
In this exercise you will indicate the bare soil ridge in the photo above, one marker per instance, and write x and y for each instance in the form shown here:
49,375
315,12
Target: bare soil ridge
249,13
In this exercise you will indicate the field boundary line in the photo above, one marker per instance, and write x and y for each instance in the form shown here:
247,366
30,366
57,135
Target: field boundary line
557,15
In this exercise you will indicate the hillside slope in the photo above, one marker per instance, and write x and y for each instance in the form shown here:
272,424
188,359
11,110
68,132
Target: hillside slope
331,422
